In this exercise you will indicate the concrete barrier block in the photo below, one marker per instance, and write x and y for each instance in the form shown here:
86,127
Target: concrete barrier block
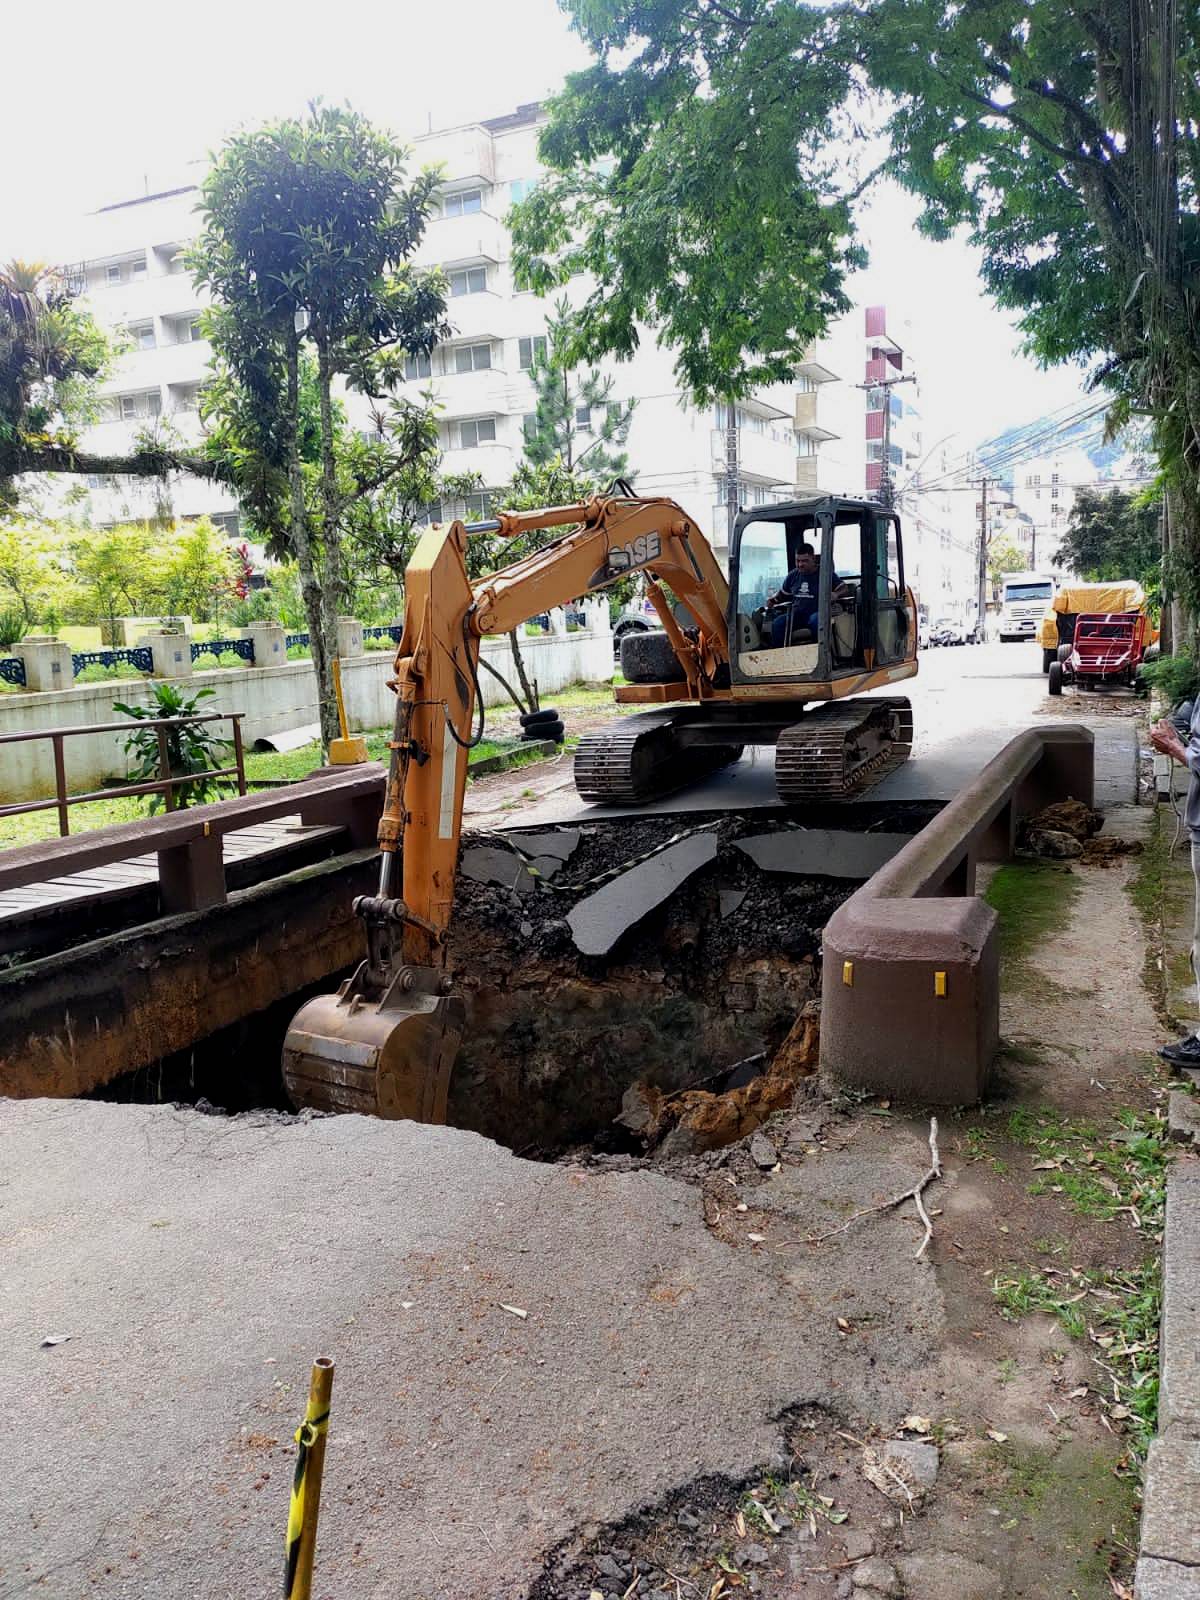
47,663
1179,1394
172,652
911,998
270,643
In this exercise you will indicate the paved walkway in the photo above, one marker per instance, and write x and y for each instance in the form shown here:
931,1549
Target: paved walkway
198,1264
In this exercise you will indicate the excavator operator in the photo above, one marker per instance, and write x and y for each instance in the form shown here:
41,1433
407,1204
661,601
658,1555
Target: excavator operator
795,606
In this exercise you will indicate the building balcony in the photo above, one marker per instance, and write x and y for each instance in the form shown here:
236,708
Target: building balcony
815,370
807,420
493,463
455,241
467,154
170,295
472,394
486,315
807,472
760,458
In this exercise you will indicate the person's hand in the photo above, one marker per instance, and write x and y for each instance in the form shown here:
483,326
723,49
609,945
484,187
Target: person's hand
1165,739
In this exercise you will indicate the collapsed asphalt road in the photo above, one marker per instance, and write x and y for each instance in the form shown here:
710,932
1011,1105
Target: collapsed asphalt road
198,1264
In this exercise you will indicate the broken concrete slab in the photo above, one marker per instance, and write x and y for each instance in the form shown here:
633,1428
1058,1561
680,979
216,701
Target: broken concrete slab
823,852
1179,1393
1183,1117
561,843
730,900
489,863
598,922
914,1460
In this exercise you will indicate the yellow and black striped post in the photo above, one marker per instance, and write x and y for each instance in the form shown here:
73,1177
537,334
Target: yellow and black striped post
306,1484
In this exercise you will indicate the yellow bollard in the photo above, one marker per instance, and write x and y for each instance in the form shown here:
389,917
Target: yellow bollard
306,1484
344,752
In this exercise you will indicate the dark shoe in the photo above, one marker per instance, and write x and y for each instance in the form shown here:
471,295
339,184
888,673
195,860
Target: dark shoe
1183,1053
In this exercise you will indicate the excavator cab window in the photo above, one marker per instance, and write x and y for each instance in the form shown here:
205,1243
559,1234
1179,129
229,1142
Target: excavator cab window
778,595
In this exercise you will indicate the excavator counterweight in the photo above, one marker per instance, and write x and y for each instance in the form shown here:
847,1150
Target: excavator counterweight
814,610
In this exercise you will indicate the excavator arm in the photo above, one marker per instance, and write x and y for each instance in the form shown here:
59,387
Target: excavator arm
386,1042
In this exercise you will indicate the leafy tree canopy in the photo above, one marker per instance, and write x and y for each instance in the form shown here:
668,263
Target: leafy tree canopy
691,179
1113,535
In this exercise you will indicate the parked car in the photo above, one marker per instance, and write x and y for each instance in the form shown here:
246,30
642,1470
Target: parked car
946,630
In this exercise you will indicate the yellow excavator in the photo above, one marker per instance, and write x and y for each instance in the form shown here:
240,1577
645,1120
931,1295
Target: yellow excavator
762,658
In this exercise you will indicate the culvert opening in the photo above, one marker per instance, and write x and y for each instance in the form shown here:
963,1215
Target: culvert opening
700,994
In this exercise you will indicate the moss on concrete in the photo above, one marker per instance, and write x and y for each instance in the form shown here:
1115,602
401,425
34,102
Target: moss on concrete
1032,899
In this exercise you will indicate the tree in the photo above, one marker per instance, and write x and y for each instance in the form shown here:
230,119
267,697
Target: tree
32,579
566,458
118,569
308,227
1003,557
1113,535
52,355
198,569
1067,138
693,183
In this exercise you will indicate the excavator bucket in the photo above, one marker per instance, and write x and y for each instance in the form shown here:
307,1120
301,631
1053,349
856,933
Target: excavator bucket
388,1057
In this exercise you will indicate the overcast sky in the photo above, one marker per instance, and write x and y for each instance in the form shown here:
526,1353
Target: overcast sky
100,99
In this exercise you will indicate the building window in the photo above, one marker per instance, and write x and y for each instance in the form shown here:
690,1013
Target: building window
95,481
806,445
143,336
1054,493
521,187
129,407
614,411
583,416
470,280
113,274
529,348
188,331
432,512
137,267
463,204
418,367
472,357
476,430
477,506
804,384
529,424
1054,477
227,522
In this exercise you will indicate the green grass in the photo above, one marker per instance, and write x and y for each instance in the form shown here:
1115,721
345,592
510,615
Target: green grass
1032,900
1118,1171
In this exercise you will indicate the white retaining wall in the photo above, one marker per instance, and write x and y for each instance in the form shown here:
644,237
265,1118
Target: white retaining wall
272,699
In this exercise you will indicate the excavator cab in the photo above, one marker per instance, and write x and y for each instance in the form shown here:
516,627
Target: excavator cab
816,592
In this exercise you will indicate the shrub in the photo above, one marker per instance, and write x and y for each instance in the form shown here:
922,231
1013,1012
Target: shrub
230,658
383,643
299,652
191,747
1173,678
205,662
12,627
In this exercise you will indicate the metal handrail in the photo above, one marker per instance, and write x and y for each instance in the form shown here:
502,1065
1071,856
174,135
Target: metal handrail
164,785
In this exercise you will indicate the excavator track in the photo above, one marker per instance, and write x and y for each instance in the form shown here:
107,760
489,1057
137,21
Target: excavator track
839,750
640,757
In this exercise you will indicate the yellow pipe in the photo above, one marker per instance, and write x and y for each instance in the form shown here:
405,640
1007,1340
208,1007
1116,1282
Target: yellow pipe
306,1484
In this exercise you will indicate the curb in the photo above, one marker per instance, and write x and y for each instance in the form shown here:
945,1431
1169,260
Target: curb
1169,1560
501,763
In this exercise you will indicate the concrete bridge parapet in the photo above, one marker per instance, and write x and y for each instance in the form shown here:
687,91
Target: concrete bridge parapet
911,992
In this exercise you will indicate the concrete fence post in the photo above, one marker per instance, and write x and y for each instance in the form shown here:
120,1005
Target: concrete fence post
47,662
172,652
349,637
270,643
558,622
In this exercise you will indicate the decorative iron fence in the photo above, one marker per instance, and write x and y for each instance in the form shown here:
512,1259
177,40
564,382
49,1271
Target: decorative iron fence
12,670
293,640
215,647
138,655
392,631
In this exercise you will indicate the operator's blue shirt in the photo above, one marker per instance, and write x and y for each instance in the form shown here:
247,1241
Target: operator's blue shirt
805,585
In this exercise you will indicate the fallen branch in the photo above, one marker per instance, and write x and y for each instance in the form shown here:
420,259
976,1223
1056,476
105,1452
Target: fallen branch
914,1194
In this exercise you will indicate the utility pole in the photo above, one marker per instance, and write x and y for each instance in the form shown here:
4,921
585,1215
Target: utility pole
981,598
887,490
731,469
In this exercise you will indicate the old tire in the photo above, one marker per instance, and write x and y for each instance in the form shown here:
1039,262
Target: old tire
1056,677
1047,657
650,658
1063,653
545,730
537,719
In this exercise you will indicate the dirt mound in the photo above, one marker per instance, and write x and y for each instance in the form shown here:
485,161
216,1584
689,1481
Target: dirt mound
1069,816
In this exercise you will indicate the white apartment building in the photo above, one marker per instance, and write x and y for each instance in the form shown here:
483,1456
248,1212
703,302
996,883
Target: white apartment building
130,265
1044,490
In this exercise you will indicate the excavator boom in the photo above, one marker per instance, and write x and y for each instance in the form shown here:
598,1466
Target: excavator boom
385,1043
